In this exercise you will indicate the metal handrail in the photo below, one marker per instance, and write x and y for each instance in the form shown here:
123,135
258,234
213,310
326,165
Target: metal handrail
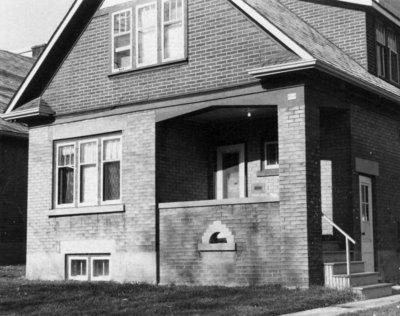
348,238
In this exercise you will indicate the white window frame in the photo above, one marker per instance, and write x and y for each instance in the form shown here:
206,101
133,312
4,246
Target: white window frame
219,174
82,277
100,278
163,24
391,50
266,165
137,30
66,205
113,36
86,141
103,139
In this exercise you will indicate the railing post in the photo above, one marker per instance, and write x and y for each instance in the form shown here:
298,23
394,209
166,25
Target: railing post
348,257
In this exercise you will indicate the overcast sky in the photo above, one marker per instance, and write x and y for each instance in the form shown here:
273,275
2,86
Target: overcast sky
25,23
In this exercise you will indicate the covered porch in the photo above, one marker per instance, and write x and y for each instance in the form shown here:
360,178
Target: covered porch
239,191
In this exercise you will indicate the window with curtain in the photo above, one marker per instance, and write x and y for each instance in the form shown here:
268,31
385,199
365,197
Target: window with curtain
173,32
65,174
94,159
148,33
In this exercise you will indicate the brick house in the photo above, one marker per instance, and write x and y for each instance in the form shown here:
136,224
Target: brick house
200,142
13,164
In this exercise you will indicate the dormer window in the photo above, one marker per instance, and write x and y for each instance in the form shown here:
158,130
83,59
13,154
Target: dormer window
387,56
381,50
148,33
393,56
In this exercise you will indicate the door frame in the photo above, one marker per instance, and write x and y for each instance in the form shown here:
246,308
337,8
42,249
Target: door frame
219,185
365,180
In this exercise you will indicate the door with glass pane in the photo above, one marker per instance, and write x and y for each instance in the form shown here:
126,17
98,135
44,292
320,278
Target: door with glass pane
230,173
366,221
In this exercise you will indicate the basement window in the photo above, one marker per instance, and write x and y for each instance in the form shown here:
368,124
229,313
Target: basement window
88,267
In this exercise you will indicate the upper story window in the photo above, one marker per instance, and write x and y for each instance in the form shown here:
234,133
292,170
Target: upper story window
387,57
381,50
393,56
88,172
148,34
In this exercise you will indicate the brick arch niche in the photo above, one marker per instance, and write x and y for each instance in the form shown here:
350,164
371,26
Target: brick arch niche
217,237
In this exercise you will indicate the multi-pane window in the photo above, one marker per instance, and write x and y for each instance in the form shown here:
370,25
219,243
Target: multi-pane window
153,35
381,49
65,174
393,56
387,53
90,170
172,30
88,267
146,34
121,40
271,155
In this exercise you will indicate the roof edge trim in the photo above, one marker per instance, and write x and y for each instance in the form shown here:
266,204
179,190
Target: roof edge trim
27,113
326,68
268,26
43,56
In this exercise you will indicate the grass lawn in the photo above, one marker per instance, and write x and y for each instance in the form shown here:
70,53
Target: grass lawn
18,296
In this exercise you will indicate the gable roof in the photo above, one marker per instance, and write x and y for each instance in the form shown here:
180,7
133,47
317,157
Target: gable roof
13,69
313,48
63,39
326,56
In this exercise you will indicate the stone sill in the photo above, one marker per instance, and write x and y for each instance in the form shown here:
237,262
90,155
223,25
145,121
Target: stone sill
216,247
268,172
266,199
87,210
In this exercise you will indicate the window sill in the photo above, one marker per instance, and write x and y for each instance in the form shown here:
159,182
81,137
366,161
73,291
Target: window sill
216,247
150,68
89,210
268,172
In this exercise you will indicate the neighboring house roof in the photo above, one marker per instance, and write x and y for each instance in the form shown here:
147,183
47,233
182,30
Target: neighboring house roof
313,49
13,69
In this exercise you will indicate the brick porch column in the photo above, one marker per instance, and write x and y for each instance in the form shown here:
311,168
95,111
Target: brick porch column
300,190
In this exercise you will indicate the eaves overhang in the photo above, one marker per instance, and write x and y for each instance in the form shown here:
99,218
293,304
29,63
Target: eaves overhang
59,46
28,113
302,65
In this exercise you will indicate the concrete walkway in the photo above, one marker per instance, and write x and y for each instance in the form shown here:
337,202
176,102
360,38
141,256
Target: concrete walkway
349,308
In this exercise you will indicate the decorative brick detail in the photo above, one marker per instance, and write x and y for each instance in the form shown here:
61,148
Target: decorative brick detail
256,260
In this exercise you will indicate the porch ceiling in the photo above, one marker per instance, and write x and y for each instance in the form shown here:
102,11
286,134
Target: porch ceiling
227,114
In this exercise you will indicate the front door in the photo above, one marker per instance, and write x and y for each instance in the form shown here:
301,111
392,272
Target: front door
230,172
366,217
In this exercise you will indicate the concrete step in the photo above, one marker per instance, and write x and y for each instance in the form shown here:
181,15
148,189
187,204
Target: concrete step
336,256
331,245
357,279
341,267
374,290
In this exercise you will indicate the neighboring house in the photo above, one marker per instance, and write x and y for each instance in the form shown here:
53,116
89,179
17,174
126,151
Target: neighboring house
199,142
13,164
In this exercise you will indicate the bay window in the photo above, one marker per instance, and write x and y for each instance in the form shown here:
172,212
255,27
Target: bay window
88,172
153,35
